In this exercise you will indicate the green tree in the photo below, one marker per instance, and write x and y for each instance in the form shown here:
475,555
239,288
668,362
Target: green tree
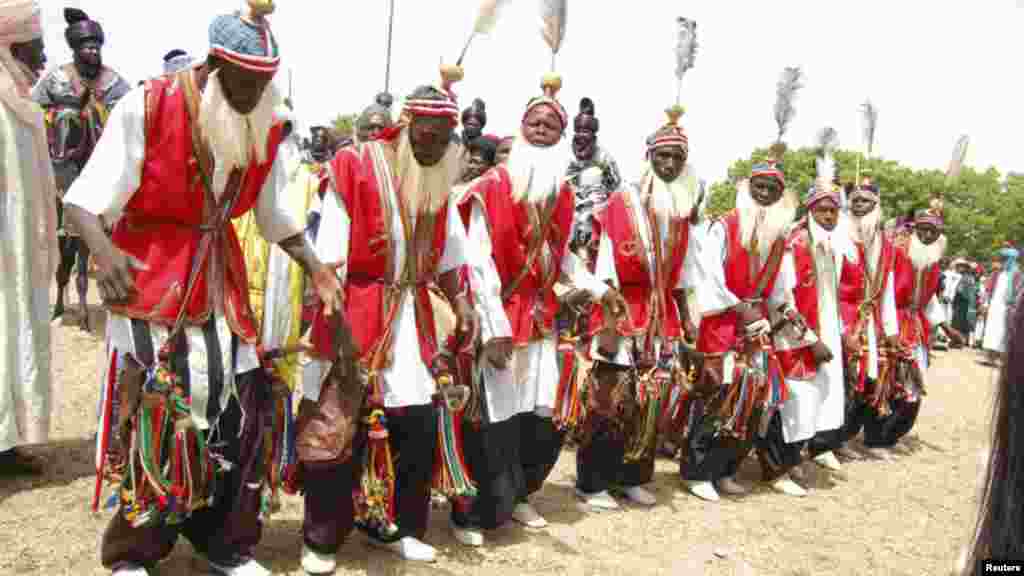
345,125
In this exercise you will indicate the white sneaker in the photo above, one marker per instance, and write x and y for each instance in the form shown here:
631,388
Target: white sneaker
828,461
249,568
638,495
703,490
730,486
472,537
598,501
785,485
526,515
315,563
408,548
130,571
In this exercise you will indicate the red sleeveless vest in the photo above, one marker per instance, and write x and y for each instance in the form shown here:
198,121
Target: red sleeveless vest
161,222
718,332
635,277
532,305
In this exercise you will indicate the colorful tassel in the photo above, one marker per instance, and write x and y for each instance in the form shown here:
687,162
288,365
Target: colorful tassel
375,495
451,474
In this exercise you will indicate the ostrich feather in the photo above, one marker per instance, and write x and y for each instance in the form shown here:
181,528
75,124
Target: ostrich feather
487,16
785,94
959,154
486,19
825,163
870,112
686,46
553,17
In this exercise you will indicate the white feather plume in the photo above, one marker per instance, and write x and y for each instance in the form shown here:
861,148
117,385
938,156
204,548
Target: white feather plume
486,19
552,22
686,50
870,112
825,162
959,155
487,16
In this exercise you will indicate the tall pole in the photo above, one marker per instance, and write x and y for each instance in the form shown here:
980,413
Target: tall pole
391,24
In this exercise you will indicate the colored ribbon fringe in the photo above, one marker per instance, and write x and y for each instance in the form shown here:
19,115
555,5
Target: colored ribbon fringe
375,496
171,473
569,406
451,474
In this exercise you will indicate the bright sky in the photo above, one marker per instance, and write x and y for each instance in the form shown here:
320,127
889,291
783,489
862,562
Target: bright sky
935,69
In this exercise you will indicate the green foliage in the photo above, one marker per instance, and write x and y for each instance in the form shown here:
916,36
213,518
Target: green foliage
980,212
345,125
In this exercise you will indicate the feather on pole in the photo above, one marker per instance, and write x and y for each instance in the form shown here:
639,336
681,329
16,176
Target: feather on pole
553,15
486,19
870,112
825,162
785,92
686,51
959,155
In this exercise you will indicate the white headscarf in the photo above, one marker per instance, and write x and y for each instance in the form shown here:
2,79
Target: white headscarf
20,21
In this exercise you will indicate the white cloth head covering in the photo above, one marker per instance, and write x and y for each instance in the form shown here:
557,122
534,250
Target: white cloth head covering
20,21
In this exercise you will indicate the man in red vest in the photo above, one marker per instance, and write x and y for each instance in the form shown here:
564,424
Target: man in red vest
644,251
870,328
180,157
520,216
916,273
389,218
737,280
809,350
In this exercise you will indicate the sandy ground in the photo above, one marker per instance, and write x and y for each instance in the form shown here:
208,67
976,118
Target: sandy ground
906,517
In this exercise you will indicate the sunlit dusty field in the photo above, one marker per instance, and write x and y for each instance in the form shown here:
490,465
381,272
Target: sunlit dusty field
905,517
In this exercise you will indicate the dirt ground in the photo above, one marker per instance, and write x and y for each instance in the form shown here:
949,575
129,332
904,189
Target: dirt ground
906,517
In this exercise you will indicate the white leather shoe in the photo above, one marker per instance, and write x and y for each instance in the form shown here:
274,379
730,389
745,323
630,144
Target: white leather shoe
785,485
130,571
249,568
409,548
828,461
638,495
315,563
703,490
598,501
730,486
472,537
526,515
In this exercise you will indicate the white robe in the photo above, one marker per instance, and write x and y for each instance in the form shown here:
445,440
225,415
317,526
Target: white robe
996,319
407,381
890,321
817,405
530,382
104,188
28,258
950,282
605,270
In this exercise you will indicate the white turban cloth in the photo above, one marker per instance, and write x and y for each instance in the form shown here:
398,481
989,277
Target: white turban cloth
20,21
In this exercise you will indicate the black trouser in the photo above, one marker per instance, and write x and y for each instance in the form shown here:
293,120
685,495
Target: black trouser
709,458
882,432
858,414
226,532
328,515
776,456
509,460
602,463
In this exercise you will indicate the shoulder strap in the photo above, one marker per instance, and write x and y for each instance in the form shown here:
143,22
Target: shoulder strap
536,246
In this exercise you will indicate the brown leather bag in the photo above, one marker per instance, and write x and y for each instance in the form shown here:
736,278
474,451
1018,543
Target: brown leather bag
326,429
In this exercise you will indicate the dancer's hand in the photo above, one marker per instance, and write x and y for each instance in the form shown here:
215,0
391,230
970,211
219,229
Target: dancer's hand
498,352
115,277
328,288
822,355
